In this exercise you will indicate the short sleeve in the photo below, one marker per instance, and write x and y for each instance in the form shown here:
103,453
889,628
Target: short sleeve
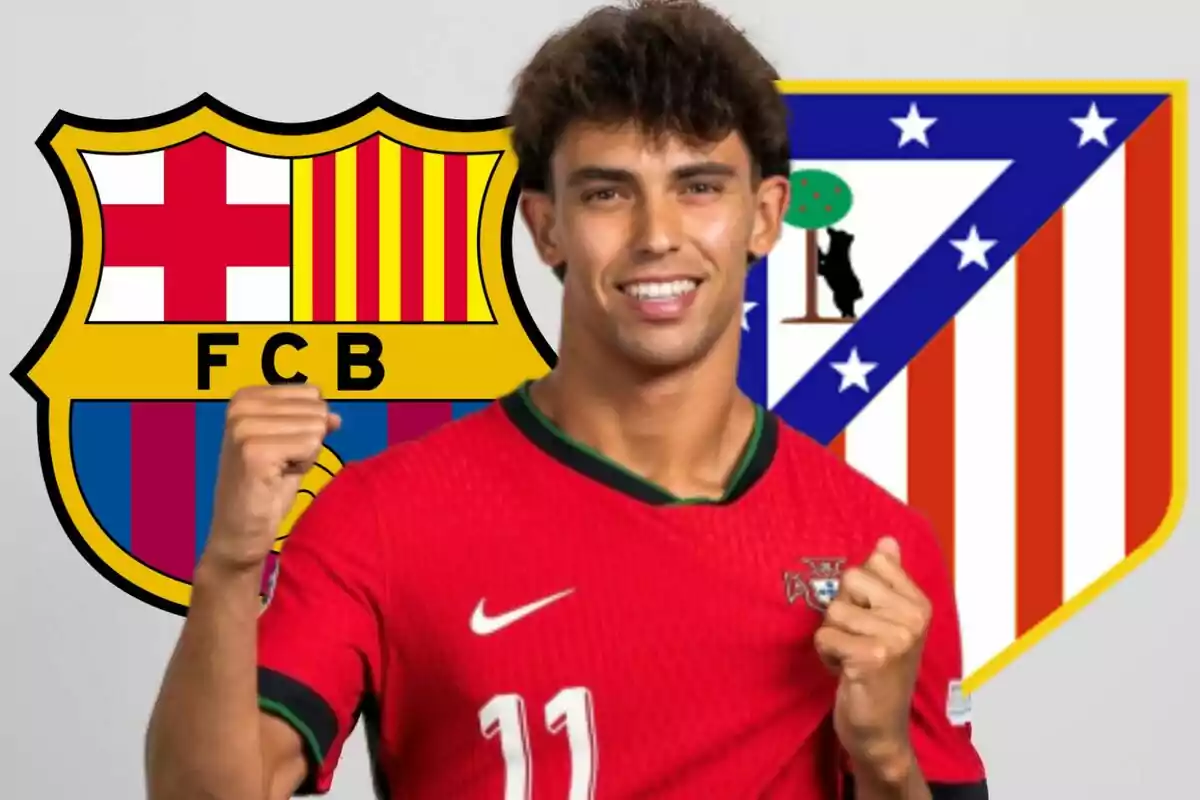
319,648
940,730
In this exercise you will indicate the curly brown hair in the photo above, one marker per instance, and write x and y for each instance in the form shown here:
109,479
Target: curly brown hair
670,66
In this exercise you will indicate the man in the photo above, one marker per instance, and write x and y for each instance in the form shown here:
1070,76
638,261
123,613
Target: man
576,592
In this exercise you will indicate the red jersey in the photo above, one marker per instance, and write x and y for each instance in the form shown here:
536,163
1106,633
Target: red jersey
513,616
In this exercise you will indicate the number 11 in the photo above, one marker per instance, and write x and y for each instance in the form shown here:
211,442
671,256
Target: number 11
571,709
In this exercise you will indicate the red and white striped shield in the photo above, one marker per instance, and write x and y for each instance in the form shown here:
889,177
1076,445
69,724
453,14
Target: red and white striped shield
1039,421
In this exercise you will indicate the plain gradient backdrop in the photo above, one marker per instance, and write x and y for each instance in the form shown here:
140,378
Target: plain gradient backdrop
1105,708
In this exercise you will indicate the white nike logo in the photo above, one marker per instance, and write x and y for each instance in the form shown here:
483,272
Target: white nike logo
483,624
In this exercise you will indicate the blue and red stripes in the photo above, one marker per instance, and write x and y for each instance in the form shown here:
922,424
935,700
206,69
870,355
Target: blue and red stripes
147,470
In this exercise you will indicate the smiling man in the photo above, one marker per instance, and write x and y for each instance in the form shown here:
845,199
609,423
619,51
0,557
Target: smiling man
624,579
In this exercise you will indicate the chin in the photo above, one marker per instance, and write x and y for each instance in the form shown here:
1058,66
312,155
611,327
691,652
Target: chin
654,355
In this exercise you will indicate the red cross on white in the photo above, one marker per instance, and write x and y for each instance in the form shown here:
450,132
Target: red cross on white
200,232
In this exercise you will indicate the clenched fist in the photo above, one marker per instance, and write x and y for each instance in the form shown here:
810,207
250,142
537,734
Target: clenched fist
872,638
273,434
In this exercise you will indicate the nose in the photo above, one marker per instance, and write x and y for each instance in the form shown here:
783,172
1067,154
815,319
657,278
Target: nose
659,226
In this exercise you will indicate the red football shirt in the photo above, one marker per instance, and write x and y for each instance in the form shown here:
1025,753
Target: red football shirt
514,616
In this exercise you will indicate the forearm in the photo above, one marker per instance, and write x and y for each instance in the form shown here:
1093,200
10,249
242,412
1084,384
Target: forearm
204,737
899,779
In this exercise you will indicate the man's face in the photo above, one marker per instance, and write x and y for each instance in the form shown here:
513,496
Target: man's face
655,235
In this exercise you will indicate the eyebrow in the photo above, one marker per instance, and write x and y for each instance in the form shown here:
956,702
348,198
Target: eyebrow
706,169
614,175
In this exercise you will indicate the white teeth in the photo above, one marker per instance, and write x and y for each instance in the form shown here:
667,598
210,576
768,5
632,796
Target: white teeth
664,290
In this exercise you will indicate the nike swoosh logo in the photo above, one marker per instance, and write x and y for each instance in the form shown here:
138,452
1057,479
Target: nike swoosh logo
484,625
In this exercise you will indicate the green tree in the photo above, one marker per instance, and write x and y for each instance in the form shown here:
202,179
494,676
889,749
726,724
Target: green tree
819,199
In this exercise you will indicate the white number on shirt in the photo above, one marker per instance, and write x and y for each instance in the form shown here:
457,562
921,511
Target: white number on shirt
571,710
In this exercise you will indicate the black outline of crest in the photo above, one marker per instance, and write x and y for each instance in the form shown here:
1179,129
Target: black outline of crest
206,101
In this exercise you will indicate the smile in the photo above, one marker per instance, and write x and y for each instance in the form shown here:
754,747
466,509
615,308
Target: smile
662,300
660,290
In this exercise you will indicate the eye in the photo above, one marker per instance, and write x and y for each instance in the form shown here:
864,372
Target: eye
599,195
700,187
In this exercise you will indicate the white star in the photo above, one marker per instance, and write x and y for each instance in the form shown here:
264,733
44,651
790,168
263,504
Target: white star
1092,127
854,371
746,309
913,127
973,249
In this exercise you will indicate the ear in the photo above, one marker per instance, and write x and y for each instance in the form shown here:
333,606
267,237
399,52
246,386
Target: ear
537,209
772,198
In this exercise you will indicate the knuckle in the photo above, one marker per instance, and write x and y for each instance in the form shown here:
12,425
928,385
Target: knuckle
241,394
239,430
878,655
921,614
822,638
911,620
853,578
234,408
254,451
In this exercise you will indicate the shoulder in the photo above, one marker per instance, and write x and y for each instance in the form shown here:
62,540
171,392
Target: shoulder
444,462
821,475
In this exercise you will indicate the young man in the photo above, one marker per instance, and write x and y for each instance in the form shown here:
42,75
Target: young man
592,588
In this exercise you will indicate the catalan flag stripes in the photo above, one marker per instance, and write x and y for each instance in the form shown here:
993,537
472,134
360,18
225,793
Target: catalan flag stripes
386,232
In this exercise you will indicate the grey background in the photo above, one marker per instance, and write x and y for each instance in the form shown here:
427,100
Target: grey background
1103,708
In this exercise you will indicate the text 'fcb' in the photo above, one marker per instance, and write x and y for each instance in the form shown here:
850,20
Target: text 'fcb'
358,364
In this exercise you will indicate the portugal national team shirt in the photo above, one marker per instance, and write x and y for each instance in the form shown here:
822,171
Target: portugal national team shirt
514,617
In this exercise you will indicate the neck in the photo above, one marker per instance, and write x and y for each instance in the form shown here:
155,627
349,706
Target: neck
684,430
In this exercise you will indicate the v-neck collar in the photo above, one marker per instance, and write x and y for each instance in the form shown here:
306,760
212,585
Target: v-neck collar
756,457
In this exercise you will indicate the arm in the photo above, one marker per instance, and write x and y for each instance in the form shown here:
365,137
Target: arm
941,762
320,640
256,702
207,737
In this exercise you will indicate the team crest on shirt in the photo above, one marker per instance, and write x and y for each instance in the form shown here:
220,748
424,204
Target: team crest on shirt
368,253
817,584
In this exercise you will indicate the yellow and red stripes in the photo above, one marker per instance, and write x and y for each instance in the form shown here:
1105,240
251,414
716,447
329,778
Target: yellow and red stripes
385,232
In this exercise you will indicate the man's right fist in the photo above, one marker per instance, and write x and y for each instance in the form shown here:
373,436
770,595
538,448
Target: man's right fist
273,435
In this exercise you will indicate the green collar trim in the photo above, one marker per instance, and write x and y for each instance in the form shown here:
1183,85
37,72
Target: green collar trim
756,458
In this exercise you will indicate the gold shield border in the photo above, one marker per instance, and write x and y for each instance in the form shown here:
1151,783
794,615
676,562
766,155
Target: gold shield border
63,143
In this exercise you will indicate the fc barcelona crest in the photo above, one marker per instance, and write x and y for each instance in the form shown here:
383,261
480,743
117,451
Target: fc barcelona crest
817,585
368,253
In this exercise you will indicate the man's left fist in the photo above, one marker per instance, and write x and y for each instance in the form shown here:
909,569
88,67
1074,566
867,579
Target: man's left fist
872,638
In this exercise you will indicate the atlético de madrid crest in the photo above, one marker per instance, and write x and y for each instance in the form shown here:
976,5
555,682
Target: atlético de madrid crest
977,301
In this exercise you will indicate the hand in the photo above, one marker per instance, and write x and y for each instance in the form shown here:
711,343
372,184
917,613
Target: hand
872,638
273,435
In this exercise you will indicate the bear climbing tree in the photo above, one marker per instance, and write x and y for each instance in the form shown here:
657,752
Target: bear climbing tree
820,199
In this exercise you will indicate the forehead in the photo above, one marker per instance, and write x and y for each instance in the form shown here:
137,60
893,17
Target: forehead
627,147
